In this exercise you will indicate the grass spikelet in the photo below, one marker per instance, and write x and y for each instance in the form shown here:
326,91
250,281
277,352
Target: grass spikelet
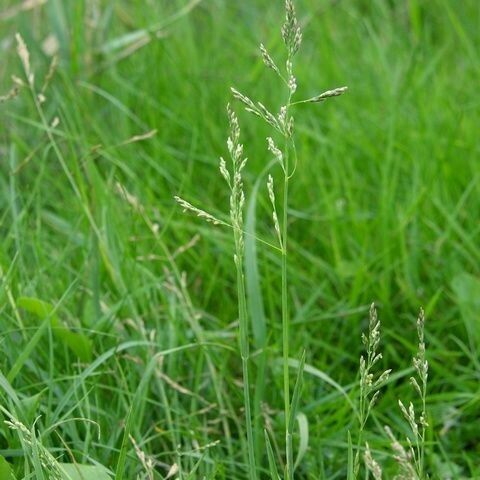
371,464
188,207
24,56
12,93
336,92
403,458
291,33
268,60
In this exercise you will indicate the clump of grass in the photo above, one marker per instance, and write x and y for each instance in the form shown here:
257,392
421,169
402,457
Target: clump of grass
410,459
370,382
37,455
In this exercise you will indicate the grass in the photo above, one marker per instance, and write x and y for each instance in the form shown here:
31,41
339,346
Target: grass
383,207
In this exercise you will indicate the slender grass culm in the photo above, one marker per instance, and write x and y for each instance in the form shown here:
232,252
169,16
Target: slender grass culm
286,158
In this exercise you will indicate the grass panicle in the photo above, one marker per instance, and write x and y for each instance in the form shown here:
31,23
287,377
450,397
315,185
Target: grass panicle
370,381
412,460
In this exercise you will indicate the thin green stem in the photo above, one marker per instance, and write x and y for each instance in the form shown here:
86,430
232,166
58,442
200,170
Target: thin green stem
285,312
245,352
422,438
285,326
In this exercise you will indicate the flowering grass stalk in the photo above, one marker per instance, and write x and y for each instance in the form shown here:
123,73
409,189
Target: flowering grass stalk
237,202
413,459
286,157
370,383
410,459
233,178
283,124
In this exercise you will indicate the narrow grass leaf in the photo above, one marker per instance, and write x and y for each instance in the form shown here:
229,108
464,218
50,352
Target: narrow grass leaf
36,457
133,416
134,412
271,459
296,394
325,378
30,407
80,379
27,350
350,474
9,390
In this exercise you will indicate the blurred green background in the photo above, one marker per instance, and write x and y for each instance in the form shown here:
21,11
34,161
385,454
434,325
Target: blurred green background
384,208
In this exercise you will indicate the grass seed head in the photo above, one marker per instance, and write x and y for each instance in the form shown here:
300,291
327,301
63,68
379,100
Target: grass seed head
24,56
371,464
197,211
268,60
291,32
12,93
275,150
336,92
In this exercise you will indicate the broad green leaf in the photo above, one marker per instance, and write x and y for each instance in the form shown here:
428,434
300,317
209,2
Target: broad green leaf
302,421
76,471
78,343
6,472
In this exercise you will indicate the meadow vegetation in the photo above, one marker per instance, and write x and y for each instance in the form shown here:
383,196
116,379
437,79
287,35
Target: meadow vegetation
284,337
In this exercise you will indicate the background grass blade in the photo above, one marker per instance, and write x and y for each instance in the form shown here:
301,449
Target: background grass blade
272,464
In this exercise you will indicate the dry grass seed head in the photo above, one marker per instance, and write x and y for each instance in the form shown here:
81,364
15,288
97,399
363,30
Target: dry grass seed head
371,464
24,55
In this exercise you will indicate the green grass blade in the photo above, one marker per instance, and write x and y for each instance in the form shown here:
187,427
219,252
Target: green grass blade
293,410
252,276
133,416
272,464
303,431
350,474
296,394
6,472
